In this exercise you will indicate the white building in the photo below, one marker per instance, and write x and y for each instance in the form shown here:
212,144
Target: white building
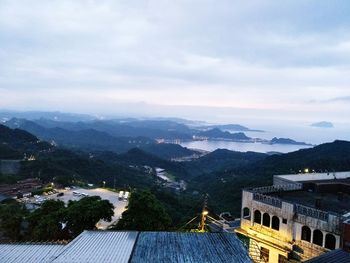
298,218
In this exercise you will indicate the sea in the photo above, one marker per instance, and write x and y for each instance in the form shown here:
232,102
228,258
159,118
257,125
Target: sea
297,132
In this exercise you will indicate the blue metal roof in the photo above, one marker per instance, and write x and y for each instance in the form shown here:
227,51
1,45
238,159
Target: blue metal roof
134,247
189,247
29,253
335,256
99,246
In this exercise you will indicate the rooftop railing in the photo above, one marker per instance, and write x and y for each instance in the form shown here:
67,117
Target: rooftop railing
311,212
278,188
266,199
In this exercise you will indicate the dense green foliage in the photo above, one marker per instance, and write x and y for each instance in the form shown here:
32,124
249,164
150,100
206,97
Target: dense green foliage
11,218
53,220
46,222
144,213
84,214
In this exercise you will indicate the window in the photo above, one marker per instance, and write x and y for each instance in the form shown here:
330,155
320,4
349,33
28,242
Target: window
275,223
330,241
266,220
306,233
282,259
246,213
257,217
318,238
264,254
284,220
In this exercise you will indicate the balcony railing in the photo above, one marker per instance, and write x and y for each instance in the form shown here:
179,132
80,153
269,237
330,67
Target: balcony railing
311,212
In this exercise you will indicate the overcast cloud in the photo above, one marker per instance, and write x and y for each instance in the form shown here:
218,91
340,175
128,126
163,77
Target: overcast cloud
266,59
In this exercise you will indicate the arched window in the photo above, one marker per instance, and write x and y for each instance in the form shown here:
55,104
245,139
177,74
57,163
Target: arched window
246,213
266,220
318,237
275,223
257,217
306,233
330,241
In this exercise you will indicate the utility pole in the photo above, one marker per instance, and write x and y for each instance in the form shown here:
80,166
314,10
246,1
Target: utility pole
114,183
204,213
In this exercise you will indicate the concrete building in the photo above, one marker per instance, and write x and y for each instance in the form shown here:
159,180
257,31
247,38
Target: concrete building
299,217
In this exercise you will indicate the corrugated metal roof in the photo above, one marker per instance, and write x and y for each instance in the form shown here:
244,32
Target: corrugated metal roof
335,256
29,253
120,247
189,247
99,246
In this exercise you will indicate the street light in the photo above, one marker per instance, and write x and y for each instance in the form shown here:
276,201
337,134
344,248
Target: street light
104,184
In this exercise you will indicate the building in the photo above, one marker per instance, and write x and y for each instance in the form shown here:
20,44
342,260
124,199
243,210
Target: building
133,247
299,217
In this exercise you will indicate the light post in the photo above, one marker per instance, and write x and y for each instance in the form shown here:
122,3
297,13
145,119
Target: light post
104,184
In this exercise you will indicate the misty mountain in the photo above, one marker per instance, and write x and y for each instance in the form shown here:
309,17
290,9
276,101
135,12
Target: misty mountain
50,115
276,140
167,150
93,140
222,159
20,141
323,124
87,139
219,134
232,127
125,128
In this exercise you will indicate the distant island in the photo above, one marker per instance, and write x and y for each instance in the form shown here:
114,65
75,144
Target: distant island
323,124
217,134
232,127
276,140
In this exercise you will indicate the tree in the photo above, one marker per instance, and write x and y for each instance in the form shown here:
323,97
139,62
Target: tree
144,213
47,222
11,219
84,214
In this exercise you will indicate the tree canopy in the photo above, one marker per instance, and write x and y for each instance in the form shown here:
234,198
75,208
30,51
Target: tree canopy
84,214
53,220
11,218
144,213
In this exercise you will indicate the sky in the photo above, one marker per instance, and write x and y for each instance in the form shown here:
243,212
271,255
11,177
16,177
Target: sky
223,60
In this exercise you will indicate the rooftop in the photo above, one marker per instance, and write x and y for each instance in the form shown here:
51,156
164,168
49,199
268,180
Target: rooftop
313,176
29,253
129,246
331,201
335,256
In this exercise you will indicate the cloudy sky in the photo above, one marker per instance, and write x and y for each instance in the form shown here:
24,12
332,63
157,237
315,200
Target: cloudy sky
226,59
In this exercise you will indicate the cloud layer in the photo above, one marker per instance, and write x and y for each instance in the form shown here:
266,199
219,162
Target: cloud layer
283,59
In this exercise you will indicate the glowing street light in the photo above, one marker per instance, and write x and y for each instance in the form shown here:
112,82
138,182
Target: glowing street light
104,184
